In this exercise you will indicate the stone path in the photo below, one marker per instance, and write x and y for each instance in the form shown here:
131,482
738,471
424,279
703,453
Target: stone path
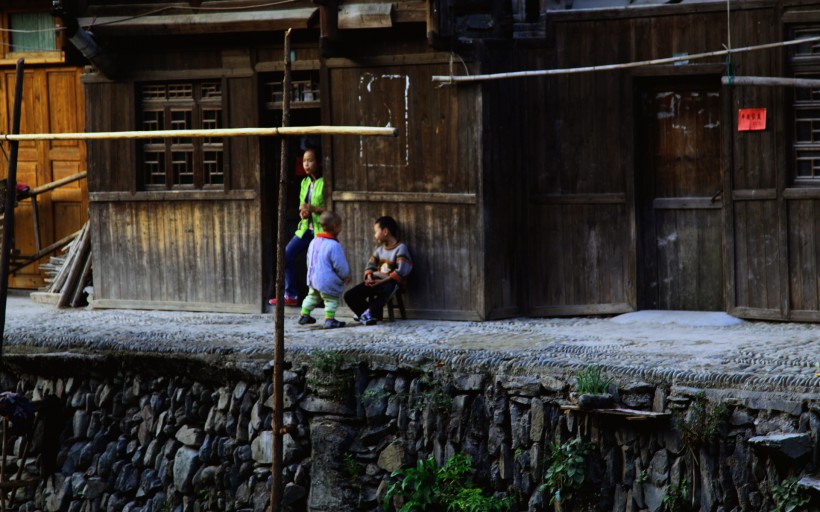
757,356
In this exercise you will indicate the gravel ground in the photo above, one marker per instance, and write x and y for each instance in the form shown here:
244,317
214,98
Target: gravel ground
683,348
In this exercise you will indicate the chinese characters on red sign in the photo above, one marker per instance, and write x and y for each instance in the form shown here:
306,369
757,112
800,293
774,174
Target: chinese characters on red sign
751,119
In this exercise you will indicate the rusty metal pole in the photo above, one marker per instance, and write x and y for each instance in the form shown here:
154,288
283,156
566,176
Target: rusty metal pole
11,198
279,351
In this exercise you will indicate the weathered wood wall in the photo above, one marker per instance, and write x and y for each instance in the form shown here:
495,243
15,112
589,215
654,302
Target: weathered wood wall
176,249
428,178
585,189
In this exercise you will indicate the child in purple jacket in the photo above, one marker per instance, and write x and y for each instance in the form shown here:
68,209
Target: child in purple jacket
327,272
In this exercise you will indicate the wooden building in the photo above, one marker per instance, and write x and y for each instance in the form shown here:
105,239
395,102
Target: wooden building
580,193
52,102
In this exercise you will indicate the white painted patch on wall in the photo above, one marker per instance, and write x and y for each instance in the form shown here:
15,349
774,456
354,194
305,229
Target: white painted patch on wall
673,105
666,240
366,82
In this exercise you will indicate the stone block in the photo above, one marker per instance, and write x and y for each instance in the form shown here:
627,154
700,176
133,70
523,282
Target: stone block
189,436
393,457
791,445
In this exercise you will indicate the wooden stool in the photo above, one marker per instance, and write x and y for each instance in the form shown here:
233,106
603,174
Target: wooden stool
396,301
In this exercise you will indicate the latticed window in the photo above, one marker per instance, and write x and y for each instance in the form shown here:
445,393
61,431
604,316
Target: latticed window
182,162
805,62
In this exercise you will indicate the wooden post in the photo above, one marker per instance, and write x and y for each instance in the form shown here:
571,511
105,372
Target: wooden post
11,198
279,349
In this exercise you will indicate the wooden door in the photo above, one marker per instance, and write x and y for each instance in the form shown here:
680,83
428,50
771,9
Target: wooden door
52,102
679,197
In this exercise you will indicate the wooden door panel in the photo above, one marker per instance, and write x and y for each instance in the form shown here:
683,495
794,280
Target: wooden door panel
679,200
52,102
685,282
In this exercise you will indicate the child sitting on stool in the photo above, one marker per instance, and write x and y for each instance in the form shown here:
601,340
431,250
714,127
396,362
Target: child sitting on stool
387,268
327,272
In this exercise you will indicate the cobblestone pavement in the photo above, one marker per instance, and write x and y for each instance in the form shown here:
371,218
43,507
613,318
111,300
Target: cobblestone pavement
757,356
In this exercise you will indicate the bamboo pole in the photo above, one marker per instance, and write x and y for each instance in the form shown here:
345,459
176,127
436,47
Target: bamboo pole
8,214
219,132
449,79
277,450
768,81
57,184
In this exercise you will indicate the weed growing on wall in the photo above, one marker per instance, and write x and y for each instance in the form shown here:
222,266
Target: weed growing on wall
788,497
331,377
427,488
702,424
592,381
676,498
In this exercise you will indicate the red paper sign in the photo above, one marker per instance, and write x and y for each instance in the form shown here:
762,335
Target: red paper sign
751,119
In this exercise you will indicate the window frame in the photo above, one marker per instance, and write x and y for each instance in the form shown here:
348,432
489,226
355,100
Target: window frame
182,113
9,56
804,64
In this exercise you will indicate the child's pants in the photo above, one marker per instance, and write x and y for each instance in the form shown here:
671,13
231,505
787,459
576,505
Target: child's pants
315,297
362,297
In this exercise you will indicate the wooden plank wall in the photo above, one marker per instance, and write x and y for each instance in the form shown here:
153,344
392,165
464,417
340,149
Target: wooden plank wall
771,247
758,253
578,213
188,250
177,255
427,178
507,107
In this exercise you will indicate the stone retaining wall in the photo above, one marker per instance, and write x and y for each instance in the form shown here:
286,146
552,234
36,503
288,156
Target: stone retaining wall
143,437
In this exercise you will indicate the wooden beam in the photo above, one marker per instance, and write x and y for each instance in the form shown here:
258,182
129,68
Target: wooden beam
203,23
770,81
403,197
173,195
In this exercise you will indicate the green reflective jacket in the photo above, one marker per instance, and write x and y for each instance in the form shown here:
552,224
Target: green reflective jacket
317,199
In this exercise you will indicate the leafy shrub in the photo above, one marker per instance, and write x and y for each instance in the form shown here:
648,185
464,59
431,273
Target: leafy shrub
566,474
426,488
788,497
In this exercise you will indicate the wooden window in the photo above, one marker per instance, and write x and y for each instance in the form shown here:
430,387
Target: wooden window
805,130
32,35
182,162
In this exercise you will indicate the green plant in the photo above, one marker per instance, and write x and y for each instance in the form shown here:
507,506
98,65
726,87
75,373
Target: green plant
426,488
351,468
676,498
591,380
433,392
333,378
788,497
643,476
702,424
566,474
374,395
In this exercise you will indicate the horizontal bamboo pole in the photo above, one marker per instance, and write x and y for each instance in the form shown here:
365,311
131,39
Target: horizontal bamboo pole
220,132
57,184
806,83
447,79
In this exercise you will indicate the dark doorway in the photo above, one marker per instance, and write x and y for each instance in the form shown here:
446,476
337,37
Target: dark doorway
679,195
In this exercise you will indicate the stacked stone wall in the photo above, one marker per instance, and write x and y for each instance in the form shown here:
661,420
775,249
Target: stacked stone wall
143,439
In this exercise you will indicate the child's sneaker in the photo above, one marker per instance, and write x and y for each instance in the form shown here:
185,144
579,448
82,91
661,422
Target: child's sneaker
306,319
332,323
367,318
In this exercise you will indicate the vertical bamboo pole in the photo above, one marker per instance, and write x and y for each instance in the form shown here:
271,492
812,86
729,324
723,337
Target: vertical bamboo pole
11,197
279,351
